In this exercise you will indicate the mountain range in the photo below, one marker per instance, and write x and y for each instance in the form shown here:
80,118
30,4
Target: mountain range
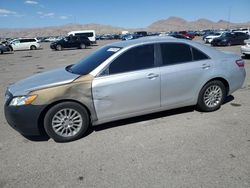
169,24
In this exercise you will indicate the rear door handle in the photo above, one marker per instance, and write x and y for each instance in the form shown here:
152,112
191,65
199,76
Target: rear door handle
205,66
152,76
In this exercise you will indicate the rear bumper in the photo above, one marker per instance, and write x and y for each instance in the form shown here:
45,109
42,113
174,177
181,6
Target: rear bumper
245,50
5,49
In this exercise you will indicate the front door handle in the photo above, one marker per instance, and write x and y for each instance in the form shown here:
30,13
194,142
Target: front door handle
205,66
152,76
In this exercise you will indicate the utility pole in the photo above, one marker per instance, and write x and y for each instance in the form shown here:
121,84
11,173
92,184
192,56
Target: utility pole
229,17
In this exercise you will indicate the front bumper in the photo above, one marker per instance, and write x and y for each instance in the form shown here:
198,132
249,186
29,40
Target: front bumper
53,46
218,43
24,119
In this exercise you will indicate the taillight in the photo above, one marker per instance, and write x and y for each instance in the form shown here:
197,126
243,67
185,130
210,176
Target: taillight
240,62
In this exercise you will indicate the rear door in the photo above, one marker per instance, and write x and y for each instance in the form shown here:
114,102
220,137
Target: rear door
25,44
130,85
184,69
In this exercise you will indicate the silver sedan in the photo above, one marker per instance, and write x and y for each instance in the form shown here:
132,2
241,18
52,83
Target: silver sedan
123,80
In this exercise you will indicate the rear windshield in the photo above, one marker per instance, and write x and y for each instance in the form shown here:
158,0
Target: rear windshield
86,65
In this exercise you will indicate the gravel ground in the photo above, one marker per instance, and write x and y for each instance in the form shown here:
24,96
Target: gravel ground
176,148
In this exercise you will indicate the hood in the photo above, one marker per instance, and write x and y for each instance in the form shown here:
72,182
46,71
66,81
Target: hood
43,80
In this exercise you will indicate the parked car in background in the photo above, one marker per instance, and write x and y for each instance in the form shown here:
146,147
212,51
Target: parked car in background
71,42
87,33
131,36
141,33
106,37
50,39
209,38
206,33
24,44
245,50
122,80
4,48
179,36
187,34
243,30
228,39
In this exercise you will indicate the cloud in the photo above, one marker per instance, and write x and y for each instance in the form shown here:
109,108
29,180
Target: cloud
46,15
63,17
31,2
49,14
5,12
52,15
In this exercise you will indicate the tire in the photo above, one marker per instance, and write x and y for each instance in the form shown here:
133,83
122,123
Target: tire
32,47
82,46
211,96
66,121
58,47
1,51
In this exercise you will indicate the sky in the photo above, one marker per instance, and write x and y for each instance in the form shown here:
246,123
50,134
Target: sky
126,13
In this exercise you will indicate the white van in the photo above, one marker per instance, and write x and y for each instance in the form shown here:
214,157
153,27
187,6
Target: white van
24,44
88,33
242,30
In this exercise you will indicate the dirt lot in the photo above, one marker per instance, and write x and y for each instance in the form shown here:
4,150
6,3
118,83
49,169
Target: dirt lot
177,148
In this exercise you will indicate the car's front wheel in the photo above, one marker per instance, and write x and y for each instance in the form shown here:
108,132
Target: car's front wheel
66,121
82,46
33,47
211,96
58,47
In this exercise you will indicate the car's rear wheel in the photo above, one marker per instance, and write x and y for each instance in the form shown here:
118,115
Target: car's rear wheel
66,121
58,47
33,47
82,46
211,96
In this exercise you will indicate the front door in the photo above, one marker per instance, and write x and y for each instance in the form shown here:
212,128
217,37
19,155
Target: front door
130,85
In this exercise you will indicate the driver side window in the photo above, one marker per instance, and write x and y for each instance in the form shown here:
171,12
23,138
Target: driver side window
137,58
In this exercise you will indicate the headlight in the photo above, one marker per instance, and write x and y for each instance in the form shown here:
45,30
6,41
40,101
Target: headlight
22,100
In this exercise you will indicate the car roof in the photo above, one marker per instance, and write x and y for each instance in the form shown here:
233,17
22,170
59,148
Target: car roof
142,40
168,39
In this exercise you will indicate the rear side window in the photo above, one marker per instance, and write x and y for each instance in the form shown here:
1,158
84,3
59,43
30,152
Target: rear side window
198,55
174,53
85,34
27,40
137,58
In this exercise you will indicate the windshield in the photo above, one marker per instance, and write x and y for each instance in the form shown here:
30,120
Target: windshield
65,39
86,65
226,35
